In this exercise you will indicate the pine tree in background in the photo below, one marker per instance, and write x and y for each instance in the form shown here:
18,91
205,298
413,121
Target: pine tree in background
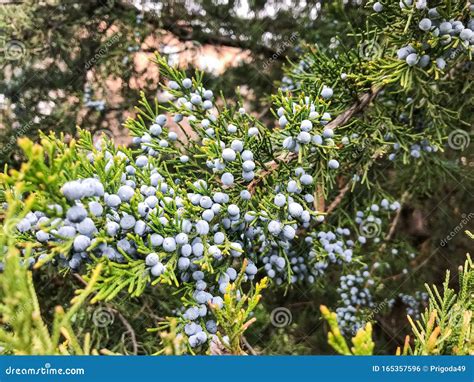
205,223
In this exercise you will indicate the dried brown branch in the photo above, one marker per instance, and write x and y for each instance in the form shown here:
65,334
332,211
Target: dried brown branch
356,108
339,198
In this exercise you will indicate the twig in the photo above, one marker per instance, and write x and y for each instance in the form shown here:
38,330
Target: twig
129,328
119,315
339,198
356,108
248,346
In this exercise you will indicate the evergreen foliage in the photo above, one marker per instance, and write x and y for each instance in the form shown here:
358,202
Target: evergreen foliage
215,217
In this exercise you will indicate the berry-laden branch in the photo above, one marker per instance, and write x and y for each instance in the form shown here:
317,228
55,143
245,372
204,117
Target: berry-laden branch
206,219
363,102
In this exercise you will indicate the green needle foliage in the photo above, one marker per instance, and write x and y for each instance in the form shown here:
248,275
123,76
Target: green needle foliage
445,327
23,330
362,341
210,204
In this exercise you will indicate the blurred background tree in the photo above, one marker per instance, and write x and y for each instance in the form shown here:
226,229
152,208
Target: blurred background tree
71,63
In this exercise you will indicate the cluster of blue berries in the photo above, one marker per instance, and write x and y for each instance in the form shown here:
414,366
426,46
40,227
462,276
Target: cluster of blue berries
453,34
370,221
416,149
311,116
355,296
178,225
414,304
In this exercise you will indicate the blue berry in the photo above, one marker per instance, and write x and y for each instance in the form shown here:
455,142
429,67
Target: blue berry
306,125
112,228
327,92
157,270
127,222
96,208
187,83
245,195
377,7
306,179
412,59
248,165
295,209
425,24
328,133
81,243
181,238
23,226
333,164
227,179
202,227
289,232
76,214
169,244
125,193
67,232
274,227
237,146
152,259
86,227
112,200
228,154
279,200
